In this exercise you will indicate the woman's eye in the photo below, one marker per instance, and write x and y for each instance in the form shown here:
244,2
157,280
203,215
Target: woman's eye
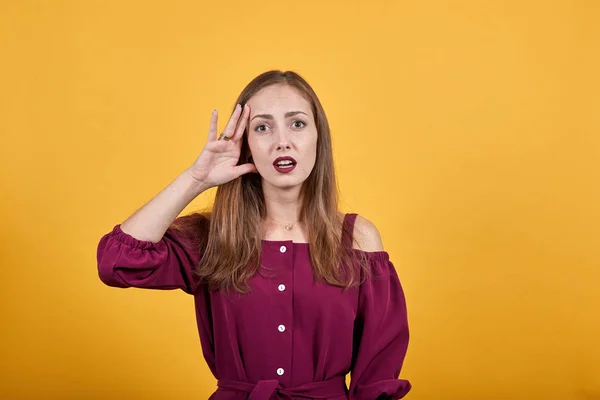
260,128
299,124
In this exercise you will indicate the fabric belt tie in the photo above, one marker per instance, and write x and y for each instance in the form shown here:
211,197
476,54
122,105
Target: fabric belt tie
272,390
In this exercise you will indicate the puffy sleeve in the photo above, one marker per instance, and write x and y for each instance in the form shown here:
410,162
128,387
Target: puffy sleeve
124,261
381,335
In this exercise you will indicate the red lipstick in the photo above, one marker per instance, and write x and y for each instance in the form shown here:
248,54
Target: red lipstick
284,164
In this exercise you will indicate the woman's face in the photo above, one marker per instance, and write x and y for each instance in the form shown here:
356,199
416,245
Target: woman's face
282,136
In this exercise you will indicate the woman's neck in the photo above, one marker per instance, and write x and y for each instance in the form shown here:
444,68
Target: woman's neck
283,212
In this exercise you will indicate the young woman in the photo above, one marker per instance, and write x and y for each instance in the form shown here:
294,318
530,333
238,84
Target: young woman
291,294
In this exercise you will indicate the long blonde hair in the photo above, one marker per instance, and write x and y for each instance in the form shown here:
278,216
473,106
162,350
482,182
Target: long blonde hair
231,238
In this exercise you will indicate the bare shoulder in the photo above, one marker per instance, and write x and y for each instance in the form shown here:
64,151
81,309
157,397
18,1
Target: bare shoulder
366,235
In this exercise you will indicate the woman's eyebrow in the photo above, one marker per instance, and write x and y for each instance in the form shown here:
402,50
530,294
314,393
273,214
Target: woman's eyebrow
287,115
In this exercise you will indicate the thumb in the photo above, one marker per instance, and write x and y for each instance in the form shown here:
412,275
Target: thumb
245,169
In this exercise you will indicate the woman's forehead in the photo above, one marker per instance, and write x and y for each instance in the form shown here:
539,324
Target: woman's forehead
278,98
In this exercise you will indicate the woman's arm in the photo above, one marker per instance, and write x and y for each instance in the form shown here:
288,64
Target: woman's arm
151,221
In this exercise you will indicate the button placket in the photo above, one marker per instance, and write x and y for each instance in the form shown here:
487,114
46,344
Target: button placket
282,316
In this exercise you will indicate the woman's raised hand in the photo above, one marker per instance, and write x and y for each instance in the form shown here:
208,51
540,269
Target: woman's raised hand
217,163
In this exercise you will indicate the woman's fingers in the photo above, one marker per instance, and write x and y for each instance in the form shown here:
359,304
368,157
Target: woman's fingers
229,129
242,123
212,130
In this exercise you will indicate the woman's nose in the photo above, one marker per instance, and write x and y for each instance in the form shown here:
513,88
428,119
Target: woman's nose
283,145
283,141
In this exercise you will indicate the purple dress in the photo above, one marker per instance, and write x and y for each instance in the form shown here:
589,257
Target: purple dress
289,338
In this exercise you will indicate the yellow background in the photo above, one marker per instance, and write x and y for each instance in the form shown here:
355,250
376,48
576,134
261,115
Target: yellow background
467,131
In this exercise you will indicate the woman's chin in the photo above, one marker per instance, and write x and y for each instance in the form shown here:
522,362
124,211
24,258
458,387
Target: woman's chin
282,182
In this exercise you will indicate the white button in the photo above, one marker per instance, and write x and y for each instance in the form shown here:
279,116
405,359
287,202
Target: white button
279,371
282,249
281,287
281,328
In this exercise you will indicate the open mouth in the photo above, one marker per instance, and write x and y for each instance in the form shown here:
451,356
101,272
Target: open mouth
284,164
